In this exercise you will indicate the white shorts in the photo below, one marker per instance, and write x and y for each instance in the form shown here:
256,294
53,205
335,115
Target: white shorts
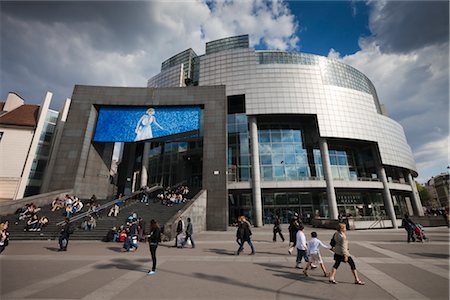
315,258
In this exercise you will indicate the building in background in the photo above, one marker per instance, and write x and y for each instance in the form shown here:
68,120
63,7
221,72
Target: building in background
26,132
438,188
306,134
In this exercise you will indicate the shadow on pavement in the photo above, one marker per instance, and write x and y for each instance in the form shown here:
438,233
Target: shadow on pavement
54,249
221,251
433,255
115,249
123,264
233,282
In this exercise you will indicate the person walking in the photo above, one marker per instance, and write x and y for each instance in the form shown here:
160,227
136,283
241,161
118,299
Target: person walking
341,254
277,229
180,228
189,232
153,240
64,235
293,228
301,245
314,254
409,226
244,234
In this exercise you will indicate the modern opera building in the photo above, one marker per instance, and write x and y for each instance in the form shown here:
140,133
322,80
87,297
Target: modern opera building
305,134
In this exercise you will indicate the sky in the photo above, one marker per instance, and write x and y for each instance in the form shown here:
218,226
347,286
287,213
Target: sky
402,46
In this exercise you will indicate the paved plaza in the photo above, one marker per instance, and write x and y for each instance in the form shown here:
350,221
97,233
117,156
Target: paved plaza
391,268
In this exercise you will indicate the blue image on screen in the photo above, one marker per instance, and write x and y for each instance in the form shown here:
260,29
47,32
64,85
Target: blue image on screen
131,124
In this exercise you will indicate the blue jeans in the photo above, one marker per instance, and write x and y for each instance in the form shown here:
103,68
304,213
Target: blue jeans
301,254
185,241
241,245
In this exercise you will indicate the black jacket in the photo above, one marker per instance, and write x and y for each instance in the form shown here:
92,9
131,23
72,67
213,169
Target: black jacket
155,236
67,230
243,232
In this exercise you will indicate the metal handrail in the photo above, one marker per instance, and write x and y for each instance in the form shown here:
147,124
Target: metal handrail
110,203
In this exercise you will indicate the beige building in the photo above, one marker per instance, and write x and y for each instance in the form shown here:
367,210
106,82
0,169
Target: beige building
26,132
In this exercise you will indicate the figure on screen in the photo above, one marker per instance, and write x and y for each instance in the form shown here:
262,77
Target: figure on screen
144,126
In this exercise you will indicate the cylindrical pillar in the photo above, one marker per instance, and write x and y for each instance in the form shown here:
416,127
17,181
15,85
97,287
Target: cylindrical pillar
387,197
144,170
417,205
256,176
331,195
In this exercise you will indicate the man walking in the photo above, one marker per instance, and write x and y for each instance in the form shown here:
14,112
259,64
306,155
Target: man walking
189,232
64,235
277,229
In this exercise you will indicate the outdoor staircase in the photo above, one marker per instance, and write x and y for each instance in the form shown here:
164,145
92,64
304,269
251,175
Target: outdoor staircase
154,210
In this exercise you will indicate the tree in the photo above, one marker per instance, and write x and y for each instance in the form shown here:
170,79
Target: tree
424,195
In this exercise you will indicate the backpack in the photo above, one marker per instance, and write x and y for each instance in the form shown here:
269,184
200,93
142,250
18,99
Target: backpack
333,242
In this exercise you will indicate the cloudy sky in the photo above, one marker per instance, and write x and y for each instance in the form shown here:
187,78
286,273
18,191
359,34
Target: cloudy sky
402,46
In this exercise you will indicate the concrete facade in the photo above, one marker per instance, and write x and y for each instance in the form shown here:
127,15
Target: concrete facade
84,165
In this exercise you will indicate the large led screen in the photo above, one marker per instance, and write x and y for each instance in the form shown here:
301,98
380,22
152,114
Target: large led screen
131,124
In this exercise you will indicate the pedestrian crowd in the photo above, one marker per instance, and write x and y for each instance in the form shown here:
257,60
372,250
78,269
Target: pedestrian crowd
172,196
28,215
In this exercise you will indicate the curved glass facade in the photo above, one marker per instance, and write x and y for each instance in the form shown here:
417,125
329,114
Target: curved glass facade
282,155
297,102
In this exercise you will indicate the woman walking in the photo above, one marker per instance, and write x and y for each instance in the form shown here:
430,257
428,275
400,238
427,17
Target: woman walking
341,254
153,240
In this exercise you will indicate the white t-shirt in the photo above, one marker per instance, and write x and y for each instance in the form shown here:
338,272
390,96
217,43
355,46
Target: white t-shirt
314,244
301,240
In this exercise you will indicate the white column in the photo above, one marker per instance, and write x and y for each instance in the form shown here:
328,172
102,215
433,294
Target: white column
417,205
256,176
326,165
144,171
387,197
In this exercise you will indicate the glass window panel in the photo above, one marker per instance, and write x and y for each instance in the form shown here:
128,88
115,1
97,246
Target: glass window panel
333,160
289,148
279,172
293,199
301,159
299,149
305,198
242,127
245,160
303,171
267,173
335,172
280,198
319,171
291,172
267,199
264,136
241,119
342,160
244,173
277,148
276,135
231,119
277,159
265,148
231,128
344,173
289,159
266,159
287,135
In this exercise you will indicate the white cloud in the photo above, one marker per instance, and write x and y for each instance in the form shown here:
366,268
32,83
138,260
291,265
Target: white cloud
413,83
93,44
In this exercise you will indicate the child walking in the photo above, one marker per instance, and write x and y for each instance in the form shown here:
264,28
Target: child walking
314,254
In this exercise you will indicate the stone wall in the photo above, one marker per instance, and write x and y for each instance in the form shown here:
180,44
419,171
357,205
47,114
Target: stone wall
196,210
